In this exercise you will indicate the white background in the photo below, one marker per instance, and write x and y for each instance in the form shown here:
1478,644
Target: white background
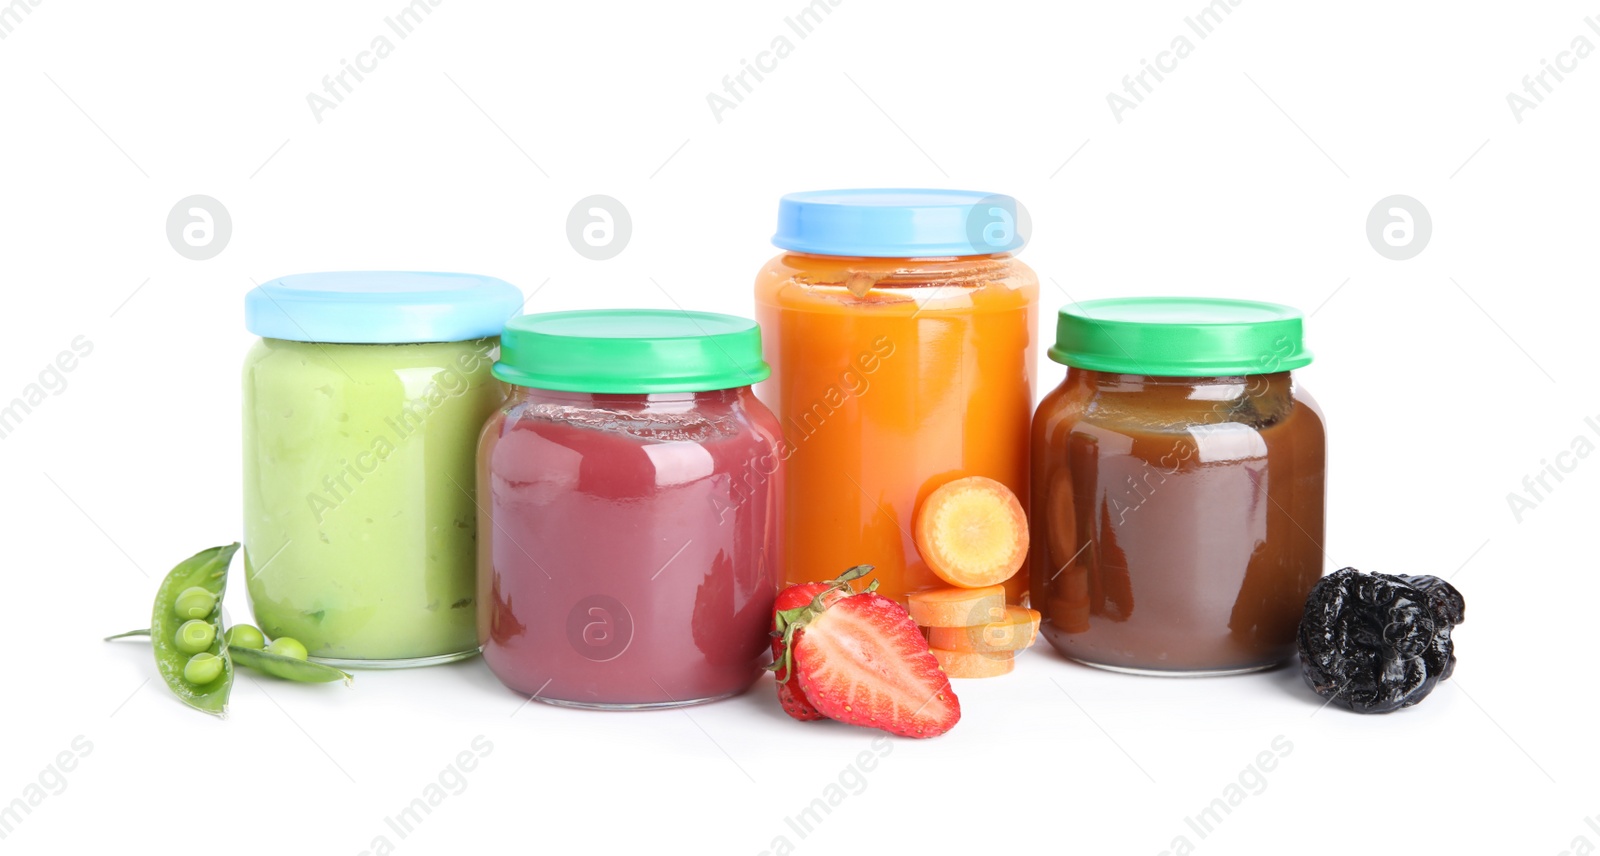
1249,171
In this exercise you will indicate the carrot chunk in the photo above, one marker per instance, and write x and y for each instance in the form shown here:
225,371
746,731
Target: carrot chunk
1015,632
957,607
972,664
972,532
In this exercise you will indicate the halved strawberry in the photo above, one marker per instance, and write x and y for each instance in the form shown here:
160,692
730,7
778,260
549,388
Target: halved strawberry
862,660
791,601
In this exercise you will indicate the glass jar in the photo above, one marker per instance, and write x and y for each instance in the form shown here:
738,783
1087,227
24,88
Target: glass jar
1178,486
362,404
631,492
901,333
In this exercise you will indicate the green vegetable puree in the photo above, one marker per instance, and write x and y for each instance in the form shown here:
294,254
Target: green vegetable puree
360,523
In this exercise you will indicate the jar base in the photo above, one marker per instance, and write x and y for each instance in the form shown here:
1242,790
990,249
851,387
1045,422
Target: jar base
404,663
1174,673
649,705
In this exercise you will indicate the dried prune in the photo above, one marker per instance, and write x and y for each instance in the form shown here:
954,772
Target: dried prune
1375,643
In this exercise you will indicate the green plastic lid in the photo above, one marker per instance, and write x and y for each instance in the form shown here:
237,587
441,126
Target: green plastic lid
1180,337
631,350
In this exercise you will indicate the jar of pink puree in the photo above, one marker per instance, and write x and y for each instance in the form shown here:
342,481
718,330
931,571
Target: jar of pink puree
629,492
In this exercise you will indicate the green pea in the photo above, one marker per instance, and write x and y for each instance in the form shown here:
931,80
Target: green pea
194,602
195,636
245,636
202,669
285,646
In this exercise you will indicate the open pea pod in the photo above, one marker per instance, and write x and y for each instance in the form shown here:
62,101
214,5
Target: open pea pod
288,668
268,663
207,570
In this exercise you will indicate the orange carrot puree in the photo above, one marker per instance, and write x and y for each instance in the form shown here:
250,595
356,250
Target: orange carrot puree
892,377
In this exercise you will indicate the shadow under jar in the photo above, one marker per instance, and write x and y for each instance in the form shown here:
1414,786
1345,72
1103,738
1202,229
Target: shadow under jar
631,489
1178,487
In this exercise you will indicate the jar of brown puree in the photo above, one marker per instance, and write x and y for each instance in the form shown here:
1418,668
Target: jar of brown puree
1178,483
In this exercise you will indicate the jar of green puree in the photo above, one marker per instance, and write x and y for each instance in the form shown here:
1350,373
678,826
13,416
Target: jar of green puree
362,405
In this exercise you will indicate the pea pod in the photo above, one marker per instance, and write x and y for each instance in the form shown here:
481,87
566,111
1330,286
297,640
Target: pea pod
287,668
268,663
207,570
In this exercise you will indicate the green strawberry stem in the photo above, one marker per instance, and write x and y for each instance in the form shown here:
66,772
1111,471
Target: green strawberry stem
790,620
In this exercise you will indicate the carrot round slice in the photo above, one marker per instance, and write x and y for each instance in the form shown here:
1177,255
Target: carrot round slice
972,664
957,607
1015,632
972,532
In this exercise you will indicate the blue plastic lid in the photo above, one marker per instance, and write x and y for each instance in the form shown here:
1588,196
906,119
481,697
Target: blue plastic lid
380,307
898,223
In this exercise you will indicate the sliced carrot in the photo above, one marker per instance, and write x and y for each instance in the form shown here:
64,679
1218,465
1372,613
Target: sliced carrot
972,532
1015,632
957,607
972,664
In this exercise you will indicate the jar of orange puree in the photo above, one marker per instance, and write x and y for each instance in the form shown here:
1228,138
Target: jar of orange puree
901,334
